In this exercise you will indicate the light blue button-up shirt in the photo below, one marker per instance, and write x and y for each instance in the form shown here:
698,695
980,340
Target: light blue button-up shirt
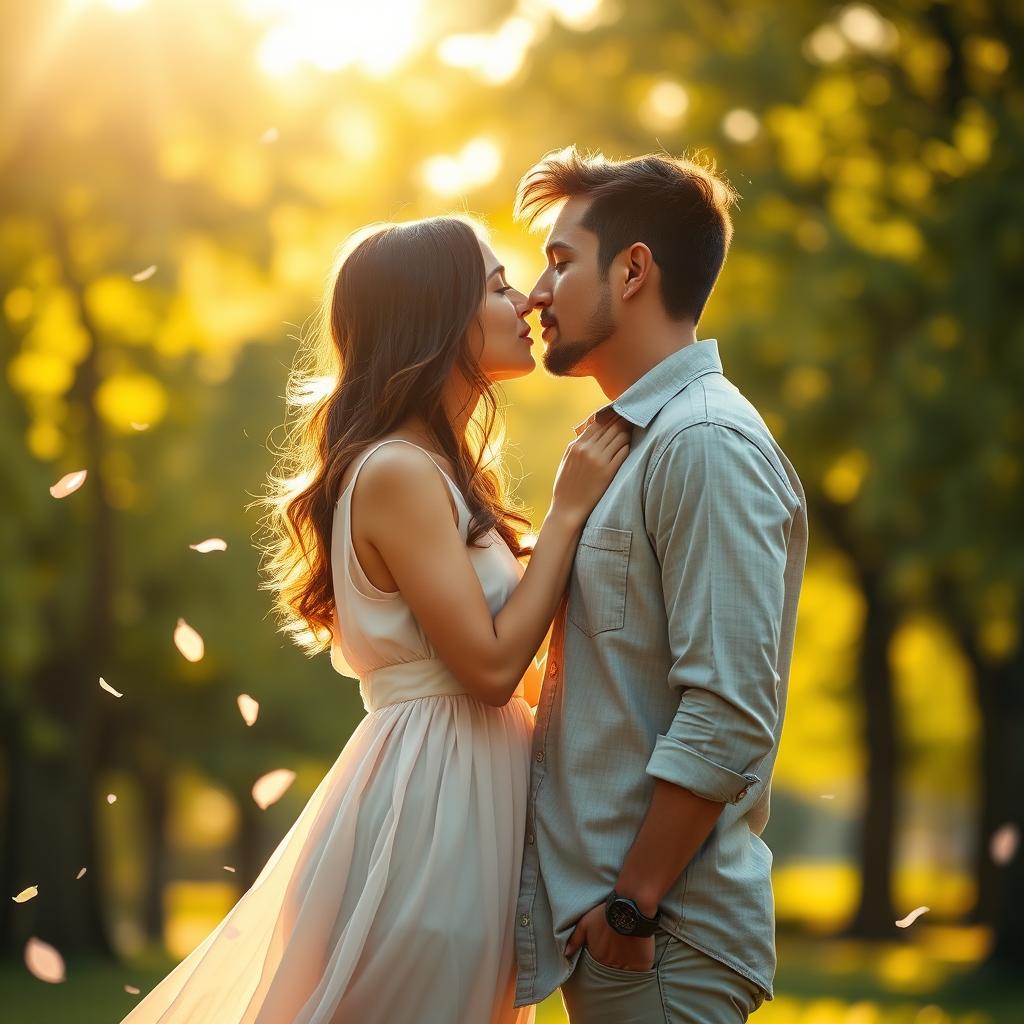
669,660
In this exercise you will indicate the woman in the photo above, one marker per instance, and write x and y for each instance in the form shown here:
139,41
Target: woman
392,897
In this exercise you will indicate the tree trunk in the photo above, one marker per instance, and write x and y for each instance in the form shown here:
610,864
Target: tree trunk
249,858
874,917
155,805
1000,695
12,876
61,734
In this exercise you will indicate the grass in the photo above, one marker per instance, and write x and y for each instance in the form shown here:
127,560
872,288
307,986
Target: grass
930,981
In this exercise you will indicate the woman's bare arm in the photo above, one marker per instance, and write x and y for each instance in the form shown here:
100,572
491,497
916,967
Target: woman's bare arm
403,499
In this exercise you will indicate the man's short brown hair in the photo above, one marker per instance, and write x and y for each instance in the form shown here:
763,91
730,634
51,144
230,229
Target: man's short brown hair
678,208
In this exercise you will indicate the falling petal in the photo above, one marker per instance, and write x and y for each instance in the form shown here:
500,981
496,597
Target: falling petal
106,686
188,642
270,136
44,961
228,867
231,932
111,798
131,990
250,708
144,275
906,922
828,796
69,483
135,425
212,544
80,874
269,788
1004,842
26,894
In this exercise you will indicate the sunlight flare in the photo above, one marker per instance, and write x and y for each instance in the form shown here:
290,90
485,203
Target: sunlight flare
330,36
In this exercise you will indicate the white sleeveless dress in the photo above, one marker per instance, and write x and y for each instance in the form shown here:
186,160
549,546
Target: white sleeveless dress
392,898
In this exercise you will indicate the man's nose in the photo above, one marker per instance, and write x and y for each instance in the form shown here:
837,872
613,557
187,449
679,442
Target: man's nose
540,297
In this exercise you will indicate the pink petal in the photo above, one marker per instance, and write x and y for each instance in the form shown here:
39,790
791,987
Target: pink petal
144,275
131,990
228,867
906,922
269,788
827,796
44,961
111,798
26,894
250,708
188,642
1003,845
135,425
69,483
80,874
231,932
106,686
212,544
271,135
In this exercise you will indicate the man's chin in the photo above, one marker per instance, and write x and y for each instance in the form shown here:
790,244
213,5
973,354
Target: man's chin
564,360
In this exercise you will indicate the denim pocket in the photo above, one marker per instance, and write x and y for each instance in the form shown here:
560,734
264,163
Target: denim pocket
597,590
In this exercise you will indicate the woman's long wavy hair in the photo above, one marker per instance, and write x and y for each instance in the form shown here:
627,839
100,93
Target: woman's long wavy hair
393,328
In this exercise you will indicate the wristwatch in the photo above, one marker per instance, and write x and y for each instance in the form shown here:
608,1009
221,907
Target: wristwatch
624,916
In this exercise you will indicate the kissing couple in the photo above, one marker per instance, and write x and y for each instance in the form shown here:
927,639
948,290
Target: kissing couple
487,836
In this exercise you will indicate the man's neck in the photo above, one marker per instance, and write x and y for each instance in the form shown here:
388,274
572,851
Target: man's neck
619,364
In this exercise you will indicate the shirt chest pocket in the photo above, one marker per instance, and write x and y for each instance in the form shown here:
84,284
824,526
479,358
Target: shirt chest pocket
597,589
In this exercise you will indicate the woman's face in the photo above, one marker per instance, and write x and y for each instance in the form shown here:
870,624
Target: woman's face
501,339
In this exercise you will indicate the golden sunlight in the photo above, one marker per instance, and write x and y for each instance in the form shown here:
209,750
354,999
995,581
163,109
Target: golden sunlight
330,36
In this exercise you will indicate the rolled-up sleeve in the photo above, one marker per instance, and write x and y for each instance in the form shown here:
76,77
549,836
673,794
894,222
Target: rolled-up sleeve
718,515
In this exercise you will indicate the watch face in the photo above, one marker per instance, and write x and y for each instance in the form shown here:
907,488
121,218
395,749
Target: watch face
622,917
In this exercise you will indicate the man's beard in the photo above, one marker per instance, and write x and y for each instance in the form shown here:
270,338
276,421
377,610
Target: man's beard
564,356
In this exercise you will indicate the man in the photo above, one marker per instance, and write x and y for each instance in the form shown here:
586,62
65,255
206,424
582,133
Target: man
646,891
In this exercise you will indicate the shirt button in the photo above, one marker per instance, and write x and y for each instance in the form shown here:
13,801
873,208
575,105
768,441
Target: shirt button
525,920
531,839
540,756
553,669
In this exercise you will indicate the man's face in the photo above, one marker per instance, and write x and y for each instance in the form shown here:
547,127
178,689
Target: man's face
573,297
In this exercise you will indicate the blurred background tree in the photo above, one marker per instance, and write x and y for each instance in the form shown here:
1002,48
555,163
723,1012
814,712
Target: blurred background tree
176,178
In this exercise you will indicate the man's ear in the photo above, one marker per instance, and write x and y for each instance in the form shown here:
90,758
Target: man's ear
639,261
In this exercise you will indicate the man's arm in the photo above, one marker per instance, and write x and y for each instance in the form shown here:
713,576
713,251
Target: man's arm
718,516
719,523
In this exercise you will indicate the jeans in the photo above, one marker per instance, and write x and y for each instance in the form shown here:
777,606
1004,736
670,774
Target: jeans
685,986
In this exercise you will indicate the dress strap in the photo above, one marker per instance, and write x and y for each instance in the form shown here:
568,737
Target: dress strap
363,585
401,440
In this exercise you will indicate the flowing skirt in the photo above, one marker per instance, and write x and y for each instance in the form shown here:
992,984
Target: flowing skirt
392,898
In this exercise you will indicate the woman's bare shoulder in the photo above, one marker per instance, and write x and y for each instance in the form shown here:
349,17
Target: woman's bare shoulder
400,479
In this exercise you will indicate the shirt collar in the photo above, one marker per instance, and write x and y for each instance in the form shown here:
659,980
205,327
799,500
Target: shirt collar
646,397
